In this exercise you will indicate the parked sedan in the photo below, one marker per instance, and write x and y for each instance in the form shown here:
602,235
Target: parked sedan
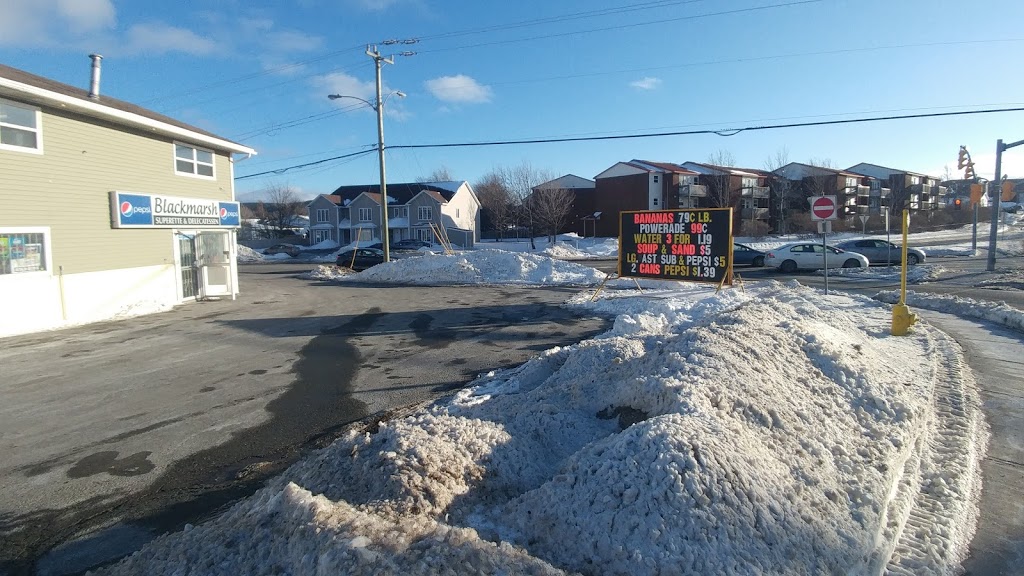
812,256
743,255
360,258
410,244
289,249
879,251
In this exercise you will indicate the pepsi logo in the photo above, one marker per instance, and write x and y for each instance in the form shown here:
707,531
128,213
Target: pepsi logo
127,209
223,212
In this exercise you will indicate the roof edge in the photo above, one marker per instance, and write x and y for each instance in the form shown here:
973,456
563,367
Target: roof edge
123,117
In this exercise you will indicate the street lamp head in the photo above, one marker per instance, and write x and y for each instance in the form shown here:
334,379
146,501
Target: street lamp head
399,93
334,96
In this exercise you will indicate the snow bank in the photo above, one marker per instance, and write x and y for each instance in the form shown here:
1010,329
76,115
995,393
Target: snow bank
322,245
566,252
771,431
998,312
480,266
248,255
326,272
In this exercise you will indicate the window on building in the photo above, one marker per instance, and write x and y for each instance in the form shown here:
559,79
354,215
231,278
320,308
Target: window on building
655,201
456,212
322,215
405,211
655,178
365,214
425,213
851,183
193,161
19,127
23,250
915,179
749,183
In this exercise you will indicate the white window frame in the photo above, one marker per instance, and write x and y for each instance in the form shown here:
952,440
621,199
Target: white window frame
195,161
38,129
405,212
322,215
428,210
47,251
367,212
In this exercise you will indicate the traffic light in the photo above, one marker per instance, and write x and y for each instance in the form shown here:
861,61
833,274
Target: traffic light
976,191
969,171
965,158
1008,192
957,203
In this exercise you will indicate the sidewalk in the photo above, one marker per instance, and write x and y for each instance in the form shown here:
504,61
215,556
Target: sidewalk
996,355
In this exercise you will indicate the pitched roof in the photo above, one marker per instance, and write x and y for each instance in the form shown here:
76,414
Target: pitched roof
661,167
731,169
891,170
401,192
39,90
824,169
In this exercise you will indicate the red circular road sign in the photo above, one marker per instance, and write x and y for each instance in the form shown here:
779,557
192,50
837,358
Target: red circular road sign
824,207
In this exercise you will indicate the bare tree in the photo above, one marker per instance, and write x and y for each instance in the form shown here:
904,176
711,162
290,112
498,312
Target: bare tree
720,193
520,181
551,208
496,201
279,212
442,174
822,163
781,188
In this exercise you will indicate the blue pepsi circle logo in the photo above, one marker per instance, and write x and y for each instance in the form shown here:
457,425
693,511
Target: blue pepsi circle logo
223,212
127,209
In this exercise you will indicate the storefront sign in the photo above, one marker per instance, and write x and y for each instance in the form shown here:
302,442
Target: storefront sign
692,245
154,211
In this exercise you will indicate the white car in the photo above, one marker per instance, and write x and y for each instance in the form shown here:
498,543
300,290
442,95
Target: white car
811,256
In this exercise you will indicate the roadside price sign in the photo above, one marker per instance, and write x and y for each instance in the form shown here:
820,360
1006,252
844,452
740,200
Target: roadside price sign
687,245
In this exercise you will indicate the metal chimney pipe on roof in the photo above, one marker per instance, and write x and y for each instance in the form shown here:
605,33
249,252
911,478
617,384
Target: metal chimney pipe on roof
94,84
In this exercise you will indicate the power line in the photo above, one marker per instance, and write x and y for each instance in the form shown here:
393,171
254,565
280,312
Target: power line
624,26
720,132
283,170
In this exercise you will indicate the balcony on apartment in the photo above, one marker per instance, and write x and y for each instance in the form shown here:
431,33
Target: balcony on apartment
881,192
754,213
692,191
755,192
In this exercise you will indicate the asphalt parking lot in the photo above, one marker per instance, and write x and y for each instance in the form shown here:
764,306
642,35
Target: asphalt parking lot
113,433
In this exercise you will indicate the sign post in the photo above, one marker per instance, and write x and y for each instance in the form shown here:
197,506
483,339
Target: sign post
864,223
824,209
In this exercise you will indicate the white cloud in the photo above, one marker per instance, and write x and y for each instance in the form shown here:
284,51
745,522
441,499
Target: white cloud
293,41
459,88
158,38
647,83
377,5
42,22
341,83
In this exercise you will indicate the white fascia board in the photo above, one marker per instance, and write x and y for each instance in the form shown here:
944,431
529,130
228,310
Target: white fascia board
122,117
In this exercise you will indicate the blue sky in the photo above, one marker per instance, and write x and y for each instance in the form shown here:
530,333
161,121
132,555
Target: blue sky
260,72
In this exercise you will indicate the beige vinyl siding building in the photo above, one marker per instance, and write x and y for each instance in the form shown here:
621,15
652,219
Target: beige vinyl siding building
85,149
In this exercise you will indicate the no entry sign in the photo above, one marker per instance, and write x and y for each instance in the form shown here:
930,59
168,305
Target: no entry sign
823,208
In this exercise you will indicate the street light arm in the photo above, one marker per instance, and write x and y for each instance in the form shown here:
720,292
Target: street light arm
398,93
337,96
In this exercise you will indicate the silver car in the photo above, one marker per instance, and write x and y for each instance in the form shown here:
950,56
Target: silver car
880,251
812,256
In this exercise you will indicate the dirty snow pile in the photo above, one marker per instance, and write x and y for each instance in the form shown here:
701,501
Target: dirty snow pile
248,255
326,272
767,431
915,274
479,266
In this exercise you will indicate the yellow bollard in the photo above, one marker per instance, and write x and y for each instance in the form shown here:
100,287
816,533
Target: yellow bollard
902,319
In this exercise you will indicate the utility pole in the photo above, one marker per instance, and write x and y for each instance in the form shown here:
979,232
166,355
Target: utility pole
996,193
372,52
